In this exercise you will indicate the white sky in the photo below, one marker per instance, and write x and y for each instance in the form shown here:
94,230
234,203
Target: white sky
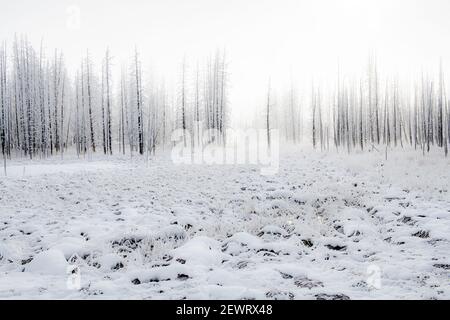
262,37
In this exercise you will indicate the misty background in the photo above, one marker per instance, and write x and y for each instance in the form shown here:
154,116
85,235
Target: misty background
299,40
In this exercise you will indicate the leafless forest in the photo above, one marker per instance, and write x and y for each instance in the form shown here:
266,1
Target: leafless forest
46,111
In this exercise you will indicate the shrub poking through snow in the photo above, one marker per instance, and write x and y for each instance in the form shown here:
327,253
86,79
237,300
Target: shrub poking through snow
325,296
304,282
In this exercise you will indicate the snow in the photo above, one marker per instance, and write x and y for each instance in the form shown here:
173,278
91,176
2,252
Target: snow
200,250
327,226
51,262
27,170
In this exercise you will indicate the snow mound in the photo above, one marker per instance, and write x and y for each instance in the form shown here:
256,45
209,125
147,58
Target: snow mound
157,274
199,251
70,246
50,262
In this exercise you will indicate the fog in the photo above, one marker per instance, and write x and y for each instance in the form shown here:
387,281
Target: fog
284,39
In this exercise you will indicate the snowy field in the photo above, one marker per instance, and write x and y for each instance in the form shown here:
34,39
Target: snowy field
327,226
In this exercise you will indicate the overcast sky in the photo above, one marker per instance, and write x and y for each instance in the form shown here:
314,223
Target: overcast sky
262,37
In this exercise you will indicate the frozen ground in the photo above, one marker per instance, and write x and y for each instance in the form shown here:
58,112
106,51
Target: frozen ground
326,226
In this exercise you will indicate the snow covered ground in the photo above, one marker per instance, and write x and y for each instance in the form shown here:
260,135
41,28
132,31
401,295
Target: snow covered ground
327,226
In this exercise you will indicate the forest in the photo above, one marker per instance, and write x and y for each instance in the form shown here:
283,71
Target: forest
45,111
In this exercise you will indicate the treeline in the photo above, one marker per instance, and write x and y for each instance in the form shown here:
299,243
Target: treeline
44,112
366,114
